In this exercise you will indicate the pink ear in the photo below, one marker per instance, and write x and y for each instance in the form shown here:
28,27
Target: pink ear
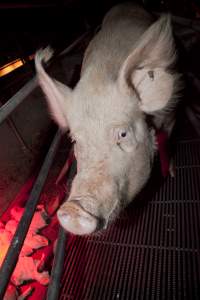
57,94
154,90
145,73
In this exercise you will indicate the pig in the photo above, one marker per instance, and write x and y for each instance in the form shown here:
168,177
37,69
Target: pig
127,75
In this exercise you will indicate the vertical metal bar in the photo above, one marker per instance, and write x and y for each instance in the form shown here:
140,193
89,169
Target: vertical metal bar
11,258
58,263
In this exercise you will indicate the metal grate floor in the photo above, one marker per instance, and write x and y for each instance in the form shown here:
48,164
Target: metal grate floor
152,251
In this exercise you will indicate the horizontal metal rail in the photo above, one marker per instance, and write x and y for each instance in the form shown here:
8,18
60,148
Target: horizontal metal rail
15,100
75,43
11,258
58,263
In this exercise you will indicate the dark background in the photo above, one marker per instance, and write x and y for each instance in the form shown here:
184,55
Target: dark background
27,25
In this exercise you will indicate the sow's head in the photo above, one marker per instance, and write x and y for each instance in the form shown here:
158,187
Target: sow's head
106,117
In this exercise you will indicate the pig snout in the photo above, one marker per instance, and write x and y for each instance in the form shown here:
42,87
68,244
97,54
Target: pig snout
77,220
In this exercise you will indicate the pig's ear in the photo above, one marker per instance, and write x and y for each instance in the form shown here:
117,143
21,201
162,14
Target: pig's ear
57,94
145,71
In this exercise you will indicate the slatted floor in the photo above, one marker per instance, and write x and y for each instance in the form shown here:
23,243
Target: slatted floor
152,251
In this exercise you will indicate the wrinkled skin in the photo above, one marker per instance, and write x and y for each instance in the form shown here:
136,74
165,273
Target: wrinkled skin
124,76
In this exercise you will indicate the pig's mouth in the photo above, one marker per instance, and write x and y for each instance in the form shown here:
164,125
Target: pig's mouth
74,218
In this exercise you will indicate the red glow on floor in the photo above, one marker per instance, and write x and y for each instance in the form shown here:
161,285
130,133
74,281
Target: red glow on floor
31,275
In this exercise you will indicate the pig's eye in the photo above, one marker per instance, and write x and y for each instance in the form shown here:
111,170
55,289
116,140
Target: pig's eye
126,139
122,134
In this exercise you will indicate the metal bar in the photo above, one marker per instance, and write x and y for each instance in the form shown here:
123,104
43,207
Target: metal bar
15,100
10,260
58,263
75,43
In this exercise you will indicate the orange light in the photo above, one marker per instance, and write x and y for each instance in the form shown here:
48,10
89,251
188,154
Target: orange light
10,67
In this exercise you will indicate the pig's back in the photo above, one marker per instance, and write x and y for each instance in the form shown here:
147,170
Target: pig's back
121,29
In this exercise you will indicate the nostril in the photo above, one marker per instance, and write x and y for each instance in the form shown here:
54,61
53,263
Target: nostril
75,219
101,224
